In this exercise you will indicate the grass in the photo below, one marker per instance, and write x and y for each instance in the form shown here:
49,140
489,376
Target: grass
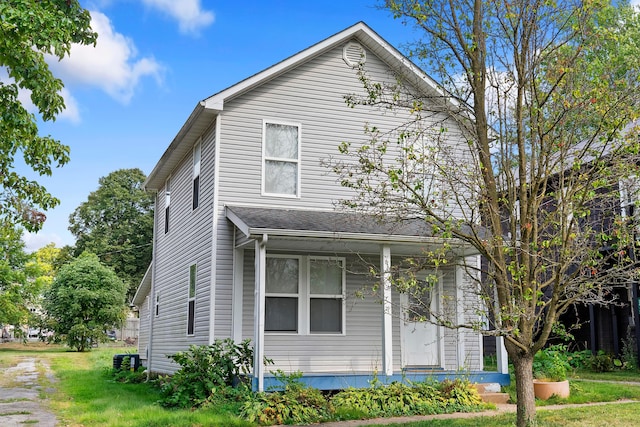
622,375
87,395
621,415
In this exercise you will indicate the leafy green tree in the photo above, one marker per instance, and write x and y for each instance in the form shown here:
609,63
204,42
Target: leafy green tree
540,97
116,222
85,299
29,30
17,292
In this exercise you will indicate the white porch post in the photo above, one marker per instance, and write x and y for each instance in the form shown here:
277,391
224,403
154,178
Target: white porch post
460,311
238,285
501,356
258,339
387,319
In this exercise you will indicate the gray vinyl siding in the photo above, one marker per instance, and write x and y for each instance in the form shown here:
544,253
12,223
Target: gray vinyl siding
187,242
359,350
143,335
313,96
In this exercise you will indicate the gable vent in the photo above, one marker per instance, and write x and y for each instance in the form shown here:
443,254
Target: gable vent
354,54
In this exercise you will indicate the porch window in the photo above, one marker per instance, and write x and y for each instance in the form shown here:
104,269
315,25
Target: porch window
326,291
281,159
191,315
304,294
282,294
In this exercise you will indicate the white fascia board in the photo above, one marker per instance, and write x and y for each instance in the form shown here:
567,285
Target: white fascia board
303,234
143,288
239,223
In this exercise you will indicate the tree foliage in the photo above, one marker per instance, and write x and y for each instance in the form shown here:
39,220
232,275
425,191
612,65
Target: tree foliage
18,289
29,30
523,156
86,299
116,222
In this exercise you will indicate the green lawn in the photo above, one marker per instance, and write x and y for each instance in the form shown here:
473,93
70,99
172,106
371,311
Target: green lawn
88,396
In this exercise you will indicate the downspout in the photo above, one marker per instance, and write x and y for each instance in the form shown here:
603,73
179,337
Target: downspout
152,294
214,233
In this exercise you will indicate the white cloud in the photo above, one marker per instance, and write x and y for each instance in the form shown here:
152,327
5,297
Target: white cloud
635,3
110,65
189,14
35,241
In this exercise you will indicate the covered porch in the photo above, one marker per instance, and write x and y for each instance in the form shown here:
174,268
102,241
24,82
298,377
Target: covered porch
299,278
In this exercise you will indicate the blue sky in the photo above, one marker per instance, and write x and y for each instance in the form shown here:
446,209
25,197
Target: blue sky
154,60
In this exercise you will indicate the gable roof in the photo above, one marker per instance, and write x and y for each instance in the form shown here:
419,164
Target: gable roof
206,110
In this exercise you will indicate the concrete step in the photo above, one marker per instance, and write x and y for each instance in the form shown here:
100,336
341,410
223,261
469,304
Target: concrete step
490,393
497,398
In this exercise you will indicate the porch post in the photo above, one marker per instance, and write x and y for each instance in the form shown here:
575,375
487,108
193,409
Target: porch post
387,319
258,339
502,358
237,303
460,308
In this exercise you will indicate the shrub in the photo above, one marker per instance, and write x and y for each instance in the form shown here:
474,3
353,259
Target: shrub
204,371
580,359
296,404
602,362
398,399
551,363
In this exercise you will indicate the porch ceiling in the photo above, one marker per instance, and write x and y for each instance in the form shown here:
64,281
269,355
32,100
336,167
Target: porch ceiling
333,231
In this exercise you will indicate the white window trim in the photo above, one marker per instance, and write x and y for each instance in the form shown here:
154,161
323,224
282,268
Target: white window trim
298,161
190,298
342,295
304,295
298,295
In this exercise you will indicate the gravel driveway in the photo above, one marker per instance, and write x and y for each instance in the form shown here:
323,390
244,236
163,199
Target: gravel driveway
22,397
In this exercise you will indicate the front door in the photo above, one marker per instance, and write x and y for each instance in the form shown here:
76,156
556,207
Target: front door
421,339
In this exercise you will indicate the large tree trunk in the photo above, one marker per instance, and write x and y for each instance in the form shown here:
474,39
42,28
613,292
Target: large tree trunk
526,406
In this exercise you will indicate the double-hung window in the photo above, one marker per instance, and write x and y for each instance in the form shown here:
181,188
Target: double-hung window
282,294
197,154
191,314
304,295
167,200
281,159
326,295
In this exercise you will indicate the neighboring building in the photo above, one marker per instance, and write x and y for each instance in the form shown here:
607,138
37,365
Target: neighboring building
248,243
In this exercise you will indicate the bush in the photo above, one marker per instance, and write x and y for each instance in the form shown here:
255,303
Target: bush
204,371
551,363
398,399
296,404
602,362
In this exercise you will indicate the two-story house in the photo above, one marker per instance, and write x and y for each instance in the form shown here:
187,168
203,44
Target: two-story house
248,242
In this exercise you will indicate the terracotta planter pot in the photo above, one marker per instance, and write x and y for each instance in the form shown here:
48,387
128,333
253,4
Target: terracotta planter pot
545,389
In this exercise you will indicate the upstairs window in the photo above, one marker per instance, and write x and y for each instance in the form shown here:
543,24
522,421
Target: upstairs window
197,154
191,311
167,200
281,159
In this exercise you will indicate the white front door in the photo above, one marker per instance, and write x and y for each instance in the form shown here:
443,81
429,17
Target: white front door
421,339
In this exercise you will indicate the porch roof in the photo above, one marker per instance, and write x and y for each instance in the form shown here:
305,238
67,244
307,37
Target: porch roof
289,224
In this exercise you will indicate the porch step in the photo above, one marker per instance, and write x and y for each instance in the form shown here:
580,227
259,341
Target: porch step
497,398
490,393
